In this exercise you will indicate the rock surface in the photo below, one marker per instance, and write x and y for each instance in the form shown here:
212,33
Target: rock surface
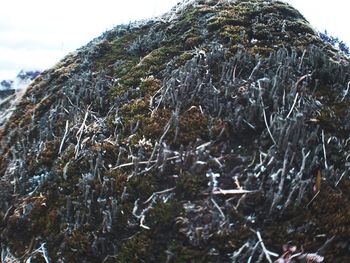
218,132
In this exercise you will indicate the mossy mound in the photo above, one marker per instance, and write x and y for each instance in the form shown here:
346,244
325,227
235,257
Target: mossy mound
216,133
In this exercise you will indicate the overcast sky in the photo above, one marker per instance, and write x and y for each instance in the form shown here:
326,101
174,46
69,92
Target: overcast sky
36,34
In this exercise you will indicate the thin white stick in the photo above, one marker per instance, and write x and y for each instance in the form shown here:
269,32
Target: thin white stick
237,253
313,198
6,256
341,177
254,70
166,129
155,148
7,213
266,252
42,250
64,137
143,162
80,134
142,220
301,79
302,59
267,126
44,253
161,98
231,191
218,207
252,254
346,92
234,73
302,167
292,108
324,151
158,193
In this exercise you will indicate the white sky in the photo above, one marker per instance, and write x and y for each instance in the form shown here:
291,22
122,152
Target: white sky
36,34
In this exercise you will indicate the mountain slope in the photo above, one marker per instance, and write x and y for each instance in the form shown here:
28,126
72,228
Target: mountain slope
183,139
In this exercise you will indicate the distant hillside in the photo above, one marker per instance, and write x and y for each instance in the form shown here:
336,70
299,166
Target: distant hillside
8,89
218,132
22,79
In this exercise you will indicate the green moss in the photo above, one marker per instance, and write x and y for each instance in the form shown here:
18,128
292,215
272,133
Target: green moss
237,34
152,64
136,250
184,254
133,113
133,109
143,186
184,57
263,32
299,26
193,41
188,31
153,127
77,246
38,214
234,16
193,125
263,51
52,222
332,118
49,153
120,178
307,40
155,60
189,186
283,9
149,86
151,245
116,52
186,22
124,66
162,216
3,164
138,110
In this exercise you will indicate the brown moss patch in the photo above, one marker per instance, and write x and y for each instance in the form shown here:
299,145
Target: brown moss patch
192,125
